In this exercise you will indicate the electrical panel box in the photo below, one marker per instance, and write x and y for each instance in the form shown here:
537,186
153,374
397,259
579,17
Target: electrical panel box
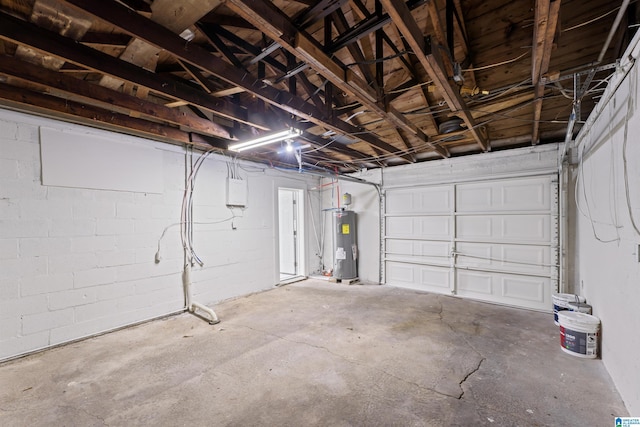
236,192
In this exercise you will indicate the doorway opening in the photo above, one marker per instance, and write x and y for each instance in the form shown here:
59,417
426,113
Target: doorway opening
291,234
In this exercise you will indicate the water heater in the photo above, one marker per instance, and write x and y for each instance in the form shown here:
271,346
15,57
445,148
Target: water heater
345,245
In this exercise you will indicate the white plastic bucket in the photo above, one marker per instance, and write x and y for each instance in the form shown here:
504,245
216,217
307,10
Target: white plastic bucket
561,302
581,307
579,334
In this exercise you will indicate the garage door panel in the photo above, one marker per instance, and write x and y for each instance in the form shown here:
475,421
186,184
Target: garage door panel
527,259
429,227
519,290
426,252
420,200
530,194
420,277
532,229
491,240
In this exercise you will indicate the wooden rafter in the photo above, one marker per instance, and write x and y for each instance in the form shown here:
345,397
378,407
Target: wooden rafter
544,30
66,109
268,19
157,35
127,104
21,32
429,56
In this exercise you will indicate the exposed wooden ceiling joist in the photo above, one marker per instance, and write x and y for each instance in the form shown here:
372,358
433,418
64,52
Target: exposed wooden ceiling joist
544,31
270,21
429,56
156,35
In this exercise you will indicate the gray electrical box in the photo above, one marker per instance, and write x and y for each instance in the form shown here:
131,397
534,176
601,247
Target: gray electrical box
345,244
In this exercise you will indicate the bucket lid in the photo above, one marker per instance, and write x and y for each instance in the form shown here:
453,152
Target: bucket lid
577,318
579,305
568,297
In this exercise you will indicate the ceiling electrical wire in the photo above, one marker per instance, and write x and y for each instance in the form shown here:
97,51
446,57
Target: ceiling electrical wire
497,64
597,18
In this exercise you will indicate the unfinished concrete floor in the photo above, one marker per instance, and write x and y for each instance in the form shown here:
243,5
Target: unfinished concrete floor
318,353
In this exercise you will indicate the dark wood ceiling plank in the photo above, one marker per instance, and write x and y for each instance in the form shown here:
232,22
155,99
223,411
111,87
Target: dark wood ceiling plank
90,92
429,56
21,32
79,112
150,32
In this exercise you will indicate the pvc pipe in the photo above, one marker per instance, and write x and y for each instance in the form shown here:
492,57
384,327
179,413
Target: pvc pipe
191,305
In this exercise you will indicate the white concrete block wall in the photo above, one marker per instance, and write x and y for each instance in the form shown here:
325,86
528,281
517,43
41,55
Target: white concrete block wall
75,262
607,245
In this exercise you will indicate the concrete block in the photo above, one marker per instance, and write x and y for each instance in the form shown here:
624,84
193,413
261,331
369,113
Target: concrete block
44,246
94,209
71,263
23,306
23,267
169,212
23,344
9,209
23,228
45,321
18,150
93,277
9,288
71,298
114,196
72,227
127,273
35,285
116,257
8,130
23,189
8,169
133,303
73,194
9,328
28,133
45,209
93,243
29,170
153,225
147,198
8,248
152,284
138,240
95,310
113,226
132,210
114,291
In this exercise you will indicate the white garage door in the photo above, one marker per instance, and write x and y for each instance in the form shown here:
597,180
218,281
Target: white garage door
491,240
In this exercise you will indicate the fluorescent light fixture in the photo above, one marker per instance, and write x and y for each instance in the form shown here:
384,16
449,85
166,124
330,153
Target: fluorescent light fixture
264,140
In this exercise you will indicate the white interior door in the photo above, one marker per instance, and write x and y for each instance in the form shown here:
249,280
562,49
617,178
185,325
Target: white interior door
287,229
494,240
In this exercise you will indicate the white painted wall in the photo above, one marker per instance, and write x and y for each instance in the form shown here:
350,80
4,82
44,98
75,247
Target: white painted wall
76,262
606,256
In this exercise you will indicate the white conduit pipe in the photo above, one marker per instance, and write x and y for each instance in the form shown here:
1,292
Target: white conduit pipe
192,306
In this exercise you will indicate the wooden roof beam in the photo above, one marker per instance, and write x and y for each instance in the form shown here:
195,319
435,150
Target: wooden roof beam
544,30
117,100
428,54
25,33
156,35
268,19
70,110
